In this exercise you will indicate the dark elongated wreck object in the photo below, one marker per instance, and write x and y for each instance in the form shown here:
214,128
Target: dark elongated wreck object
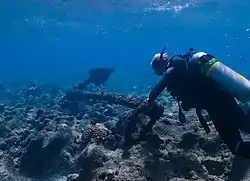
73,97
97,76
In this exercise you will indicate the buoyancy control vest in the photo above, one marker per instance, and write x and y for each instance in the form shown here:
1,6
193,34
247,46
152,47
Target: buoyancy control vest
181,87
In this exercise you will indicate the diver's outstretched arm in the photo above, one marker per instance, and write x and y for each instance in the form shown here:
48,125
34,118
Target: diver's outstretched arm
157,90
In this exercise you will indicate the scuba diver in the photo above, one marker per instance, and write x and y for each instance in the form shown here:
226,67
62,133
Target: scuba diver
198,80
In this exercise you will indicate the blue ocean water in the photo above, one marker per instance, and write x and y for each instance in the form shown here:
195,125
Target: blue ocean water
60,40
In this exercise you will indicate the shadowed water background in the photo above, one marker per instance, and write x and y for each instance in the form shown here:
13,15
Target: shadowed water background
59,41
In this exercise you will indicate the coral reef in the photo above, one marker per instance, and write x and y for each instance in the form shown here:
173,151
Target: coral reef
78,137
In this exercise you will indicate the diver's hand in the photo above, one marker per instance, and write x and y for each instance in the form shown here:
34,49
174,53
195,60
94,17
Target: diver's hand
154,108
145,105
149,104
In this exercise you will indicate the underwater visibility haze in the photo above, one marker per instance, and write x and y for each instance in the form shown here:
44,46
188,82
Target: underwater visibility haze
74,75
61,40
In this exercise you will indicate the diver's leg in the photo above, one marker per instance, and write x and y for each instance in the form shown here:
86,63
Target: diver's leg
231,135
243,118
243,149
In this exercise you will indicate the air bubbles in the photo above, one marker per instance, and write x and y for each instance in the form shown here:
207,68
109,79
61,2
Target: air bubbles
247,29
174,7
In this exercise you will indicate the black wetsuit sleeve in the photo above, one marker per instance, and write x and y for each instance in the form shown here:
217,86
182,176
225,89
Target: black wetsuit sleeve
157,90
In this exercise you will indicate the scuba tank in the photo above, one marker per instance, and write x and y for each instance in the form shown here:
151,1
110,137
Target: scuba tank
237,85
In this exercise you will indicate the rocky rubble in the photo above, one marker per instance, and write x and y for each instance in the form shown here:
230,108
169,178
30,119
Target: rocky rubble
43,143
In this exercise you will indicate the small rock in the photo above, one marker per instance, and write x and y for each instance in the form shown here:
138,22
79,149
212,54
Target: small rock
73,177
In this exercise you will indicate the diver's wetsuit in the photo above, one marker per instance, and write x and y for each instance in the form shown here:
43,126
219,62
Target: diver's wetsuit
204,93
